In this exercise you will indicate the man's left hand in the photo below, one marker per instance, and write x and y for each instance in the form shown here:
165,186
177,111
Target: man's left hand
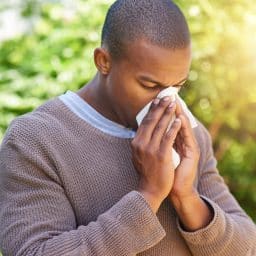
193,212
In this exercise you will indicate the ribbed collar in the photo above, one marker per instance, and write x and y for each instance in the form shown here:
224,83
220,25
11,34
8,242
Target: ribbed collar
85,111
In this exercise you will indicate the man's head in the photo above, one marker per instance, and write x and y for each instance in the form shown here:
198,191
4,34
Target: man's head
159,22
145,48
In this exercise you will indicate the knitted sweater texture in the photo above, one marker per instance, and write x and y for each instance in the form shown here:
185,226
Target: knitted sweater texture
67,188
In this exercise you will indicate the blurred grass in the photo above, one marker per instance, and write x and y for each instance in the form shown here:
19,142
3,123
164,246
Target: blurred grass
57,56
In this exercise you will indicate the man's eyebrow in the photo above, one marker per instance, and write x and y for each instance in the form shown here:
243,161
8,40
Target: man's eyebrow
148,79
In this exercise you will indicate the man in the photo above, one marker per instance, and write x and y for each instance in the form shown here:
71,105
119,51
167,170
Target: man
79,177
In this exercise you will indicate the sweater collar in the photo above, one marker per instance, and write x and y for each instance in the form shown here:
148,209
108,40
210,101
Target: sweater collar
85,111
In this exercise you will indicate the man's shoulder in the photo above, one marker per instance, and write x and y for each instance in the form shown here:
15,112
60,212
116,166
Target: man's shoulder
35,124
201,132
204,141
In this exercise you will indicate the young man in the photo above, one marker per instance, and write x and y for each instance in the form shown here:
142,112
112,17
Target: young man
79,177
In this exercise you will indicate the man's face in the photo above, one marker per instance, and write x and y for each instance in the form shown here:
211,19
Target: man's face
137,79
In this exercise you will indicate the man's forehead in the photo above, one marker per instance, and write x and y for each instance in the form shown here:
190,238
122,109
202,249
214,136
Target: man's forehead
158,64
141,53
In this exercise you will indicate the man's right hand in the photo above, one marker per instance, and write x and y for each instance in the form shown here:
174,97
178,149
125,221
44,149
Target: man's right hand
152,151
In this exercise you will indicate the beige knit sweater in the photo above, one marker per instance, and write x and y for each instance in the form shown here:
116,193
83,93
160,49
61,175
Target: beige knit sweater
67,188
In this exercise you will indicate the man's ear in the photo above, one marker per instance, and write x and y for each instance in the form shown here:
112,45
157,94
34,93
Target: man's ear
102,60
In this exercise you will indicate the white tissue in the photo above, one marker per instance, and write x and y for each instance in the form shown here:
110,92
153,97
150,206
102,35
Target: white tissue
173,93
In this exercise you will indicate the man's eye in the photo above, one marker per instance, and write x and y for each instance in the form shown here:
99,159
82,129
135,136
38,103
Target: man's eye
159,87
156,86
151,87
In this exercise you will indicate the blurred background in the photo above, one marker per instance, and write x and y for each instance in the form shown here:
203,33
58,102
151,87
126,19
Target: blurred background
46,48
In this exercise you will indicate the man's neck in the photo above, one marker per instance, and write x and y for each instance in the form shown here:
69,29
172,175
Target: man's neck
94,94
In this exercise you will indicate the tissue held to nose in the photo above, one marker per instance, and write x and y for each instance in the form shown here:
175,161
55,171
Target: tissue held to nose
170,91
173,93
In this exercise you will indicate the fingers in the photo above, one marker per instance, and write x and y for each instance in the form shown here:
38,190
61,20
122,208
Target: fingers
169,138
179,109
178,144
186,130
152,118
163,124
187,138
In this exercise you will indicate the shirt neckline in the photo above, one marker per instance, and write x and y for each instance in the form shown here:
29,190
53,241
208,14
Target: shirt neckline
85,111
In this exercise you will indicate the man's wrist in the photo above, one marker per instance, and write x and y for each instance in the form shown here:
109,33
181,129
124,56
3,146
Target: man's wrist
194,213
153,201
184,202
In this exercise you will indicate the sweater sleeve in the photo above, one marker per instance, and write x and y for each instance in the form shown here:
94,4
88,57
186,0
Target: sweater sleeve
36,216
231,231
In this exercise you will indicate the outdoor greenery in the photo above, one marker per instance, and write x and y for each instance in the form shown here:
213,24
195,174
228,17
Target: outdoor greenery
57,55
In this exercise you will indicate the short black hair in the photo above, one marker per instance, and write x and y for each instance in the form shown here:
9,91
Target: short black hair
160,22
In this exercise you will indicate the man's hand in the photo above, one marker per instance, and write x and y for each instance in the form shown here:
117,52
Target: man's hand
151,148
193,212
188,149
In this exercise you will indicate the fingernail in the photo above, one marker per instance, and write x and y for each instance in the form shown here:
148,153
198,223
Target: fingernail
177,120
156,101
167,98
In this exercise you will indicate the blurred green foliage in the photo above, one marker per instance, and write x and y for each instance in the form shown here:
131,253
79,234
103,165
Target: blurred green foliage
57,55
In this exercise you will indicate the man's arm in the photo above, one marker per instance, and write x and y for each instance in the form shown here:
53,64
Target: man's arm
36,217
194,213
231,231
